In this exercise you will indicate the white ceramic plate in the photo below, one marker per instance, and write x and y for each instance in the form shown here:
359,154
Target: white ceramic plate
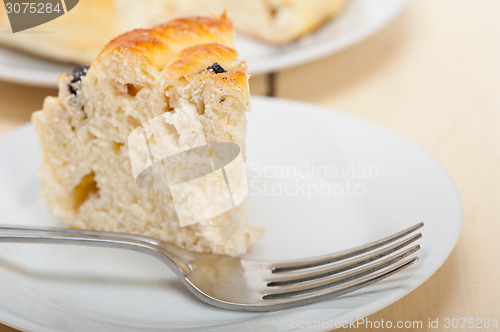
360,19
302,160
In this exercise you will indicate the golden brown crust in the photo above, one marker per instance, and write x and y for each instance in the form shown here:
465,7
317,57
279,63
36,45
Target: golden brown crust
193,60
173,52
160,44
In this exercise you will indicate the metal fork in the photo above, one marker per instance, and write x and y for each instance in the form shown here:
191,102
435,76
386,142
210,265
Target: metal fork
251,285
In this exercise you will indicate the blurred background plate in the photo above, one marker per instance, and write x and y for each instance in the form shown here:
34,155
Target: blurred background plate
359,19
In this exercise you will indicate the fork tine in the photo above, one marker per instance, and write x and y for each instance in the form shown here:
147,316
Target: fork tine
331,258
329,293
293,277
331,281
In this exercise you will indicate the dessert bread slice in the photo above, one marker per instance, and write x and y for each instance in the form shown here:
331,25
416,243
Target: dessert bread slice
184,69
77,36
80,34
274,21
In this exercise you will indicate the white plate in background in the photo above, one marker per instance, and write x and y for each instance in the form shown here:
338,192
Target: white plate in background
360,19
394,184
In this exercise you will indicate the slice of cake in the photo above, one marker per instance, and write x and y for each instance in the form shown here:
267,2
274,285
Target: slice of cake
183,73
273,21
79,35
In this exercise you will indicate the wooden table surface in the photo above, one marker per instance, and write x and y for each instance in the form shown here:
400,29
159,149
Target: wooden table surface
432,75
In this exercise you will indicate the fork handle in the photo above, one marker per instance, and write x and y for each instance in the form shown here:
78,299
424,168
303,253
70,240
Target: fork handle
139,243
